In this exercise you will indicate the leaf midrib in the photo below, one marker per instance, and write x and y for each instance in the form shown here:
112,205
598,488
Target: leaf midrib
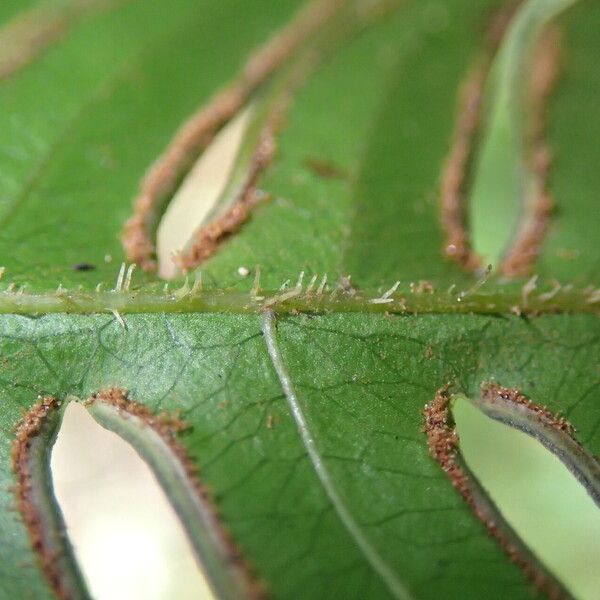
189,300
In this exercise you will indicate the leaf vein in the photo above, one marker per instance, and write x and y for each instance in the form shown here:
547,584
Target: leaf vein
373,557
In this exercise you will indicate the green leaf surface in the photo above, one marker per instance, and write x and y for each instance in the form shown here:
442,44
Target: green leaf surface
570,251
113,92
304,405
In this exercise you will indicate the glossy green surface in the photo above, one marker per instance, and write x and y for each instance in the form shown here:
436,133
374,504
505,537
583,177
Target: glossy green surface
78,128
362,386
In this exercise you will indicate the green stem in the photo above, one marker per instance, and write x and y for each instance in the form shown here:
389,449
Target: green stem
510,301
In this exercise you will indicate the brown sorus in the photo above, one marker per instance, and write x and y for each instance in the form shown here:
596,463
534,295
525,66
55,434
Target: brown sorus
443,442
455,179
198,131
524,251
456,171
29,427
168,427
492,391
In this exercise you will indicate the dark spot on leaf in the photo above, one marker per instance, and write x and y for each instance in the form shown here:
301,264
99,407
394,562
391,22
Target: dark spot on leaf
84,266
325,169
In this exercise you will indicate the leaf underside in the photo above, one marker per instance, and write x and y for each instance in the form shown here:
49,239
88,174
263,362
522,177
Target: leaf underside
353,190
